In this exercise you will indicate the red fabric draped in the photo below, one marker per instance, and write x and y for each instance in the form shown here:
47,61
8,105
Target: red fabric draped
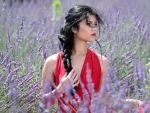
94,65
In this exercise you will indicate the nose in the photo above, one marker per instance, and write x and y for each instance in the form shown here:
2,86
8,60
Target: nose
94,29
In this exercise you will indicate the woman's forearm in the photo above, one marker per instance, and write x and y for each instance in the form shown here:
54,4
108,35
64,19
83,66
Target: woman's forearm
51,97
108,99
57,94
135,102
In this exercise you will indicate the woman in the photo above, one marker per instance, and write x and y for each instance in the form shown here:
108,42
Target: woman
69,65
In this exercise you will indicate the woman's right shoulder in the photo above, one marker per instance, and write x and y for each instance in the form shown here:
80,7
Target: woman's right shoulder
49,68
52,59
50,64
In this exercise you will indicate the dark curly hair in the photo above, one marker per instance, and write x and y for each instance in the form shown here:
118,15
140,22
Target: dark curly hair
74,17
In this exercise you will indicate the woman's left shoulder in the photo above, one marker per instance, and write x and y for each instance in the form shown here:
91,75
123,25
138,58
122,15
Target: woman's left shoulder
102,58
103,62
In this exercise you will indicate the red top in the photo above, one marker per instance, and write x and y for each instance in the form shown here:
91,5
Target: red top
96,73
94,65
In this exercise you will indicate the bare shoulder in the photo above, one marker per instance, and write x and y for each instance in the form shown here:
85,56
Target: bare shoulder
104,66
48,71
52,58
103,62
50,64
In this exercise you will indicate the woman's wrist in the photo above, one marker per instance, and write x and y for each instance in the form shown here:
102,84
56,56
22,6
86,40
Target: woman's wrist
59,88
57,93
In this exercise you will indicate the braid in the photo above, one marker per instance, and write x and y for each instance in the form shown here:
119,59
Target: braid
66,46
66,58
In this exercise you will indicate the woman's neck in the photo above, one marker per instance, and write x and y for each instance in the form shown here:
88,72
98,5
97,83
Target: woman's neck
80,47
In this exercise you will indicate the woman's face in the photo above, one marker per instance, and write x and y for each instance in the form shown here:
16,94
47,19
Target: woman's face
88,29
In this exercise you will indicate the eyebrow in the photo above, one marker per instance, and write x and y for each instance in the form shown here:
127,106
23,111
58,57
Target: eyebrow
91,21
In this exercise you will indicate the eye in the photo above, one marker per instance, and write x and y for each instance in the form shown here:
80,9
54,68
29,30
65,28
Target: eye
95,24
92,25
88,23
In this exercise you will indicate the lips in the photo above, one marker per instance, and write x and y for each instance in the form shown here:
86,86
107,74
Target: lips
94,34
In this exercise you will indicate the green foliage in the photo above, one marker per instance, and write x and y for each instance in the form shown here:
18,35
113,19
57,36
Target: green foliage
56,4
56,9
148,74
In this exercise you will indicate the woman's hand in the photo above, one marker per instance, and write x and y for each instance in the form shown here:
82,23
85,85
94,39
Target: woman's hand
72,77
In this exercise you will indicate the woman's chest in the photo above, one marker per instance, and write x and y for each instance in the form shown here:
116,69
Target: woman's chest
78,63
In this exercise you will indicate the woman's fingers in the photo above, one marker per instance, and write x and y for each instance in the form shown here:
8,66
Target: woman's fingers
73,77
76,77
76,83
71,73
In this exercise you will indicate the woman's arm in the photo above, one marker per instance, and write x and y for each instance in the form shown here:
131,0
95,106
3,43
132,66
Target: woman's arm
48,75
104,66
49,92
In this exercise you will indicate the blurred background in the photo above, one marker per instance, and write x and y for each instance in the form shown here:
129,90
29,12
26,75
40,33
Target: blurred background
28,35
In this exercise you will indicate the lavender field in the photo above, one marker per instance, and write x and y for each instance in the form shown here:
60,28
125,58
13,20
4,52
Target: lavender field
28,35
